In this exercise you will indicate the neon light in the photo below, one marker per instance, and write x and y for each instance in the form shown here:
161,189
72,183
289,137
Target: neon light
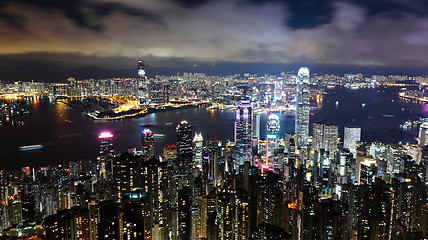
146,131
265,168
271,136
105,135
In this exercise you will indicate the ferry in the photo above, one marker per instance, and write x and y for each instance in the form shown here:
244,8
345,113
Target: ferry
30,147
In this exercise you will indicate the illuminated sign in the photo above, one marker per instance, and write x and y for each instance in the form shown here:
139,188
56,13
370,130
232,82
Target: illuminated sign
272,136
105,135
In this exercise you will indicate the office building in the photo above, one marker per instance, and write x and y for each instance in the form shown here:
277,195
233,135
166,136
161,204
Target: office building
325,136
147,142
352,135
106,144
198,146
125,174
423,131
143,93
271,140
243,133
184,146
302,108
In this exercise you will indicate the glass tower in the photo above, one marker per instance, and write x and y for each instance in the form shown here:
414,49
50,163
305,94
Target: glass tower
243,132
142,84
184,146
352,135
302,108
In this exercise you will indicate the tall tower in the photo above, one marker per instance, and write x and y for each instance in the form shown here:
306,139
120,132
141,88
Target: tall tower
142,84
147,142
243,132
198,141
352,135
125,174
184,146
106,144
272,139
302,107
106,150
423,132
325,136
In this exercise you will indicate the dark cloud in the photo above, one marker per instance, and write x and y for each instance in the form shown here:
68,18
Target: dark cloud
14,20
352,32
310,13
83,13
393,8
191,3
305,14
313,13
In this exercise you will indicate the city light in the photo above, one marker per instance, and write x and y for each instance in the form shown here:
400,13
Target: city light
105,135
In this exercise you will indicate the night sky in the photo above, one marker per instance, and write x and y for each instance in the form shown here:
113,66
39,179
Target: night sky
51,38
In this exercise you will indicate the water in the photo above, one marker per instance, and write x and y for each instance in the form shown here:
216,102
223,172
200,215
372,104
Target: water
67,135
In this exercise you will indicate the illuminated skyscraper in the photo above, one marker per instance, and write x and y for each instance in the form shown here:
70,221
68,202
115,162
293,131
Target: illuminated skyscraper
423,132
352,135
325,137
154,179
125,174
106,143
147,142
272,139
302,107
184,146
243,132
256,127
170,152
143,93
198,142
106,150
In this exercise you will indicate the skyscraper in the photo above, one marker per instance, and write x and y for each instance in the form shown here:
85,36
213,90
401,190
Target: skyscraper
147,142
106,143
142,84
352,135
125,174
156,181
184,146
243,132
198,141
106,150
325,137
302,107
423,131
272,139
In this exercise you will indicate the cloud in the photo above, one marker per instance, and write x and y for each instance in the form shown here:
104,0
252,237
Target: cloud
83,13
244,31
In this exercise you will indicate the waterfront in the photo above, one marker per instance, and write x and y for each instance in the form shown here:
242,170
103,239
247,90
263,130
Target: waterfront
66,134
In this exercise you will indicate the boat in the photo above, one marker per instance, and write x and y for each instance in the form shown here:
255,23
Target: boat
30,147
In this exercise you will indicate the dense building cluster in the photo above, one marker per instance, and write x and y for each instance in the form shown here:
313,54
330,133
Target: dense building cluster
200,190
216,89
294,186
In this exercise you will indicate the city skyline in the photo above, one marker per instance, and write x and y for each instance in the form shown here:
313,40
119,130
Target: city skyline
214,119
210,36
274,180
